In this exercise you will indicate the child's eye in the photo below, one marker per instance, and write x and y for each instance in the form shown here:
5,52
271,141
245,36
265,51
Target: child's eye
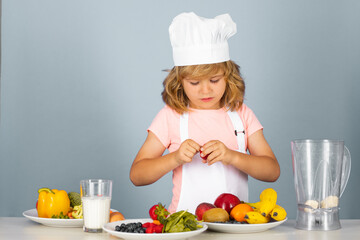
194,83
214,80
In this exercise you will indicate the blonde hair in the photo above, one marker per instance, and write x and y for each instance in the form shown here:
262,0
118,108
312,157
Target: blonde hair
174,96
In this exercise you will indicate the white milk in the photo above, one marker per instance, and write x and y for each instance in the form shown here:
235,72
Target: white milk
96,211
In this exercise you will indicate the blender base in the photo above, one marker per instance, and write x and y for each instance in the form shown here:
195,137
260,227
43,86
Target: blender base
319,219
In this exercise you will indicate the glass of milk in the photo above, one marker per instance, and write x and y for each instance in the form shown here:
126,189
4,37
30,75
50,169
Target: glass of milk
96,199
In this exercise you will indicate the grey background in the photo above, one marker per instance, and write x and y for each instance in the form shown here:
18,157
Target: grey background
81,82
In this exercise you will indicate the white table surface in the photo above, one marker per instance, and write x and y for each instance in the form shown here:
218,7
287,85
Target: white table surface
23,228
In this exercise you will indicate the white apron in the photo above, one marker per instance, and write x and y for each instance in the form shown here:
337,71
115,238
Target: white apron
203,183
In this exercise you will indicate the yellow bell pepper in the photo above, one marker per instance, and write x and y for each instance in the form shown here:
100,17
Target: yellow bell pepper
52,202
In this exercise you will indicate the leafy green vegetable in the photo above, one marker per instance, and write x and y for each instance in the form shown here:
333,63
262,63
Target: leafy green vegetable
181,221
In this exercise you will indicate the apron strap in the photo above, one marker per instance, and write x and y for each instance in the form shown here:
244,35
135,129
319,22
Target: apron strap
184,123
239,129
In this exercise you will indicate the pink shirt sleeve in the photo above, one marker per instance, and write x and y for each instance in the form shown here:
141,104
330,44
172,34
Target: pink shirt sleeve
160,127
252,124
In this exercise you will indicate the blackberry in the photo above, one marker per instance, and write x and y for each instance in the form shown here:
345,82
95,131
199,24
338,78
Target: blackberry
130,228
232,222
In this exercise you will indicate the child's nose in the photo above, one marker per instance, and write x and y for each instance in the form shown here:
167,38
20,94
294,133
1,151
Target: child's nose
205,87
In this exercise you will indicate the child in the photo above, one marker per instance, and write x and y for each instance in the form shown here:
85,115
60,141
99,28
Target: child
204,125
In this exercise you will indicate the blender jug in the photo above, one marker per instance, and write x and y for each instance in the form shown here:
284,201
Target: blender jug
321,171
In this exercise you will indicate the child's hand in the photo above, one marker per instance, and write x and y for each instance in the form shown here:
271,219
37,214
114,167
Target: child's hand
186,151
216,151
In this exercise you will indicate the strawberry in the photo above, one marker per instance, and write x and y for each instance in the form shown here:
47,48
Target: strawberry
158,212
205,158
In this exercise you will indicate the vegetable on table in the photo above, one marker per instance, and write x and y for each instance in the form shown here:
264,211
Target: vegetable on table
52,202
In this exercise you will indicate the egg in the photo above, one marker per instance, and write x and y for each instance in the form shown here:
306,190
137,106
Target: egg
116,216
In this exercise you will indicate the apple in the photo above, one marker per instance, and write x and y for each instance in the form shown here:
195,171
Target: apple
227,201
202,208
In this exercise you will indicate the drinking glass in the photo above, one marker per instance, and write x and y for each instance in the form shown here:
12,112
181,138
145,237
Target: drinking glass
96,199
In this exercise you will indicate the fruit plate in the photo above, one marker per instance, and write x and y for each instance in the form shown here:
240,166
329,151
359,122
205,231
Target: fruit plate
242,228
110,228
52,222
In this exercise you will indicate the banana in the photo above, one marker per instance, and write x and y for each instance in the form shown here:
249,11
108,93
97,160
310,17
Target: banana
278,213
255,206
266,207
268,194
256,218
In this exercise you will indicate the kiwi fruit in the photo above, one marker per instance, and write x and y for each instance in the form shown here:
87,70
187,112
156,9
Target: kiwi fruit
216,215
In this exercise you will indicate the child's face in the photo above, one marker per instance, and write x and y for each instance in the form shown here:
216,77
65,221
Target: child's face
205,93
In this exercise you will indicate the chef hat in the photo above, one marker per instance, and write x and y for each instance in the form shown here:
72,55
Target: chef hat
196,40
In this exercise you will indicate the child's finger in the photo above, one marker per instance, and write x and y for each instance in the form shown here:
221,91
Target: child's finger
210,146
211,162
192,151
213,157
206,150
194,145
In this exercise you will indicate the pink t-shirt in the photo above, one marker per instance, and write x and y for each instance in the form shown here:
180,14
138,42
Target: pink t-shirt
203,126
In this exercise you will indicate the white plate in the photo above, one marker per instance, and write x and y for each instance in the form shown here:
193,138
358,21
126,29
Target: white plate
52,222
242,228
110,228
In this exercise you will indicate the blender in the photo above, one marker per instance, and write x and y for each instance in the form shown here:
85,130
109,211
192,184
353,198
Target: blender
321,171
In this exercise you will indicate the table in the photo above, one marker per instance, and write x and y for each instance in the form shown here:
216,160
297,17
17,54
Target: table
23,228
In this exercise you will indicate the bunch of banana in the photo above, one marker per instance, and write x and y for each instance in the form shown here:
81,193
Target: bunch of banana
266,208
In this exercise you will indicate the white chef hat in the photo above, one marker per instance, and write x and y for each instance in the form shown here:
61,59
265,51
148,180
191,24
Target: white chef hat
196,40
